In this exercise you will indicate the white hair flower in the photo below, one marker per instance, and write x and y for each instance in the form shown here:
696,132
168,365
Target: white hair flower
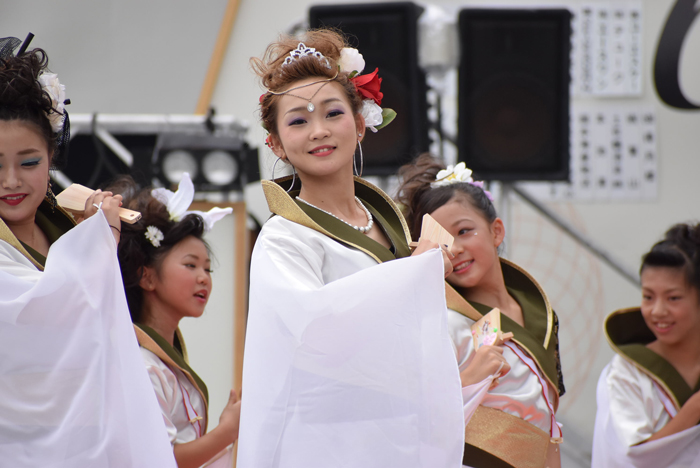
154,236
178,202
351,60
458,173
372,114
49,82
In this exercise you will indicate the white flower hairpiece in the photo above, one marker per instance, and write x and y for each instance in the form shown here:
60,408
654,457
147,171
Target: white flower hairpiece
453,174
154,236
456,174
49,83
372,114
178,202
351,60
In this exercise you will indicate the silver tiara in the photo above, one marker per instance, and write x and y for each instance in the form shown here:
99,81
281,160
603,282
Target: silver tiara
303,51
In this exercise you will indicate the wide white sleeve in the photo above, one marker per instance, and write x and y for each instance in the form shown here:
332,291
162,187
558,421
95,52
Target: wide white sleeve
14,263
629,411
340,354
73,388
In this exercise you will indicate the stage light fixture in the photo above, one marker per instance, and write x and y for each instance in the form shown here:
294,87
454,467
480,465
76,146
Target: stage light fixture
216,163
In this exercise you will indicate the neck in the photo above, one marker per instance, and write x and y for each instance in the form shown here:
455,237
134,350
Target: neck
160,321
491,290
335,194
24,231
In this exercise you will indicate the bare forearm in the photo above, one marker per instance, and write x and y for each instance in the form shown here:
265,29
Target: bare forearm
196,453
686,418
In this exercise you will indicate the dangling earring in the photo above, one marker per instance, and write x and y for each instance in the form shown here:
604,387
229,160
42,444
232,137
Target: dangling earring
294,174
362,163
51,198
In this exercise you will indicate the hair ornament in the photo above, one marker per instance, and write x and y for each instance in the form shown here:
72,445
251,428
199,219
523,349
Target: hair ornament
49,83
458,173
154,236
178,202
303,51
368,86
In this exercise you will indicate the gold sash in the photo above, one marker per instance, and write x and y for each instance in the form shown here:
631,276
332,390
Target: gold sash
513,440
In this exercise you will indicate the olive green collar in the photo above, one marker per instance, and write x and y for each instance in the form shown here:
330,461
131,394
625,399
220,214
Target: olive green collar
384,210
173,355
628,335
53,222
539,334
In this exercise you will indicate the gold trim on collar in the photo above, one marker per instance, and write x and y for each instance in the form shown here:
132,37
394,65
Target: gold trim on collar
148,343
550,312
641,368
280,203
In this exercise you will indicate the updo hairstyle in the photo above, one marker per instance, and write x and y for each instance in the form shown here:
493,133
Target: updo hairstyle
419,198
22,97
679,249
276,77
135,251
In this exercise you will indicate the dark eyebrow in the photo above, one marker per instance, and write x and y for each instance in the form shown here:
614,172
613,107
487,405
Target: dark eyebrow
26,151
196,257
301,108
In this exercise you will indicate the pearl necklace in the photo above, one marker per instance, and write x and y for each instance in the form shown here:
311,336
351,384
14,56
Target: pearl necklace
362,229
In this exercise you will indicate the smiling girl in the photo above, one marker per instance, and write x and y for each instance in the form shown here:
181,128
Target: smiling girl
649,394
167,276
66,343
515,424
347,357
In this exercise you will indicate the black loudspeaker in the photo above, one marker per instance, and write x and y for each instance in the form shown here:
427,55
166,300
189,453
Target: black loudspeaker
386,36
514,93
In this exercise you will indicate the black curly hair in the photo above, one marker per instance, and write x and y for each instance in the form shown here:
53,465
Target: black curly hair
22,97
135,251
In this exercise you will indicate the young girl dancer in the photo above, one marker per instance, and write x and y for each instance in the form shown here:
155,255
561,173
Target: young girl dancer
347,358
515,425
649,394
66,343
166,270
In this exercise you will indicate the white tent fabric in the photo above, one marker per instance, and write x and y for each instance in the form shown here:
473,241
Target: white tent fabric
348,362
74,392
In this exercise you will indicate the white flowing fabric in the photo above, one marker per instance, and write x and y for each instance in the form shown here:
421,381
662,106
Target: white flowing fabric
347,363
630,411
74,392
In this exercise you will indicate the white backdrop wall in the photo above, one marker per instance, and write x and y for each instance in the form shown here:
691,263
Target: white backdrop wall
150,56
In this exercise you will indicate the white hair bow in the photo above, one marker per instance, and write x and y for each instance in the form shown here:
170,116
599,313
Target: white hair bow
178,202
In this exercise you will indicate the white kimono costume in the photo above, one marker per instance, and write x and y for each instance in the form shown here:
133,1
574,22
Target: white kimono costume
347,360
73,389
182,395
527,392
638,393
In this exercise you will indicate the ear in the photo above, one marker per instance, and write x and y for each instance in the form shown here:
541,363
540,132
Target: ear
147,282
277,147
499,232
360,126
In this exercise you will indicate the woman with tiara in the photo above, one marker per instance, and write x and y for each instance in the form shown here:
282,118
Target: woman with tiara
73,390
649,395
347,357
515,424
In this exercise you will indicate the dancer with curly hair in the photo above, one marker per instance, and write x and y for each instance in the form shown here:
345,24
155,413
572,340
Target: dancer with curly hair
167,276
73,390
347,357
